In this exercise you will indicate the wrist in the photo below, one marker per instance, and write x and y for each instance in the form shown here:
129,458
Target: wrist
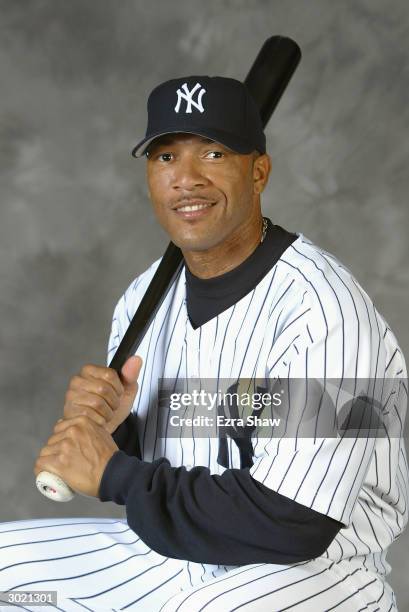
117,477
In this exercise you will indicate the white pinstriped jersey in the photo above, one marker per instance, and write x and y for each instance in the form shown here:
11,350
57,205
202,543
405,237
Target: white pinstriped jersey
308,317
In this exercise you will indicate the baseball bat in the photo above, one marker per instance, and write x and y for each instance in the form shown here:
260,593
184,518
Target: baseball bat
267,80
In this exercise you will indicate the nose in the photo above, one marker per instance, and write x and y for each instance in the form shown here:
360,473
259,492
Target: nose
188,174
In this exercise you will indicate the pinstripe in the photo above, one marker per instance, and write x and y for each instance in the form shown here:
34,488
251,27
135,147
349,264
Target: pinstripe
224,339
370,524
296,319
95,571
243,584
176,379
283,352
340,534
82,606
275,591
391,359
60,539
151,591
161,327
349,596
308,469
339,305
106,522
282,295
80,554
321,306
270,441
225,579
145,571
377,513
344,471
17,606
169,342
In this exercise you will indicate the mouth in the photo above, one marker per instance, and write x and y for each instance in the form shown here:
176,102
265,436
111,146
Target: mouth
193,208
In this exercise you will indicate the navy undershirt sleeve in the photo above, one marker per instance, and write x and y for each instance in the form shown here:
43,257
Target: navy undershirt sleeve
222,519
126,436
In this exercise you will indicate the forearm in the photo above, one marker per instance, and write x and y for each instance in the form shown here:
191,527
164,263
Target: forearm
230,519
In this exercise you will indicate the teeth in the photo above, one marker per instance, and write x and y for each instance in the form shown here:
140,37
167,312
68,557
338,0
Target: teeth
194,207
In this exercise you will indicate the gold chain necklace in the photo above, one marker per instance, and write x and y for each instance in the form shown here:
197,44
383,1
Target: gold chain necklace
264,230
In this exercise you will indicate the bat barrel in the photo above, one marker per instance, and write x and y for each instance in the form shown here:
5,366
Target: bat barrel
271,72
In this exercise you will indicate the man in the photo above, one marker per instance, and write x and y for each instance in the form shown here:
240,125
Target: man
297,515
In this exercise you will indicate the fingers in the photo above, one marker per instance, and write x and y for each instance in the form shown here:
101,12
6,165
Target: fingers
89,399
108,375
77,452
49,463
66,435
97,386
62,431
100,394
69,425
74,410
61,440
56,450
96,390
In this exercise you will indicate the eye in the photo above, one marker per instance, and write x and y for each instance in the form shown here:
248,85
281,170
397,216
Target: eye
164,157
218,154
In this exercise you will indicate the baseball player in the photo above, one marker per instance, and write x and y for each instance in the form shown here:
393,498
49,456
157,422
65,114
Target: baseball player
292,503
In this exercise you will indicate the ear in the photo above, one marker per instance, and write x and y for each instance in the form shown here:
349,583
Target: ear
261,172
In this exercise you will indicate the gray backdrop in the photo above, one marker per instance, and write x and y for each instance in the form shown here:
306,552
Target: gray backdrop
76,223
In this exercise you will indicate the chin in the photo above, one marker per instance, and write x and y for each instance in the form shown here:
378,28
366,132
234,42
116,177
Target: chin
192,245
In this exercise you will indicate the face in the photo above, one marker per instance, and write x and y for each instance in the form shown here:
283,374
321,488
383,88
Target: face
203,193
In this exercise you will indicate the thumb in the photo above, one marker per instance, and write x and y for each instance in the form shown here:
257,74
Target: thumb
130,372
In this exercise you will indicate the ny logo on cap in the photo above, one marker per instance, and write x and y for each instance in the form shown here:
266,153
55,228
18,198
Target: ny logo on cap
188,96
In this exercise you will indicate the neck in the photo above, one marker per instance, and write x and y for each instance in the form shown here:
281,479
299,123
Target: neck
225,256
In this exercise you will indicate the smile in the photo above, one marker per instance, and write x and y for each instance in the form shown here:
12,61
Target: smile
194,207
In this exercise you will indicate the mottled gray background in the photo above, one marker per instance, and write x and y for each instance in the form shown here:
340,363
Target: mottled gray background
76,224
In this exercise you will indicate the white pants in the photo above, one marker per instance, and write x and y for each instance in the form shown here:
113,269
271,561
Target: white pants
101,564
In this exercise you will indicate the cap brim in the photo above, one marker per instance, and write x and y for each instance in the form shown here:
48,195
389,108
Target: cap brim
234,143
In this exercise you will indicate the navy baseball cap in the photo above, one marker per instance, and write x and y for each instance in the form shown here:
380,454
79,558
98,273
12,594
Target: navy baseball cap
218,108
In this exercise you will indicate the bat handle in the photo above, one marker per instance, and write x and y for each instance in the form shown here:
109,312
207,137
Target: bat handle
53,487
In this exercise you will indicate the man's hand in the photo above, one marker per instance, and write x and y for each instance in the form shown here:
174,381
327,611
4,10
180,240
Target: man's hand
103,396
77,452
